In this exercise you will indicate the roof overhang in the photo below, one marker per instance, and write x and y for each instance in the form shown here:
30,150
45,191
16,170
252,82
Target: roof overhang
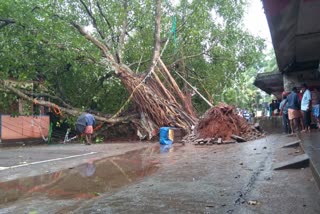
295,31
271,83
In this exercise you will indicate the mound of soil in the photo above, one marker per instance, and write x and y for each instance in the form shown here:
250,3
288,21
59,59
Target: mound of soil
222,122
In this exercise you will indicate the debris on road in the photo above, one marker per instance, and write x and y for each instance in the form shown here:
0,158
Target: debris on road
253,202
221,125
238,138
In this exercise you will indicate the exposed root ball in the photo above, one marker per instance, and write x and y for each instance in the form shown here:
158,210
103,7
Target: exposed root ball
222,122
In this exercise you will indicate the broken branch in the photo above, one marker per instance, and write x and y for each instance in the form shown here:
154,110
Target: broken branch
6,21
94,21
73,111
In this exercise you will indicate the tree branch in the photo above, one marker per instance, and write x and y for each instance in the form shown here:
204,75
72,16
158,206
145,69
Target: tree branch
94,21
50,96
201,84
6,21
186,57
123,32
82,53
107,21
104,16
119,68
156,48
105,50
181,26
72,111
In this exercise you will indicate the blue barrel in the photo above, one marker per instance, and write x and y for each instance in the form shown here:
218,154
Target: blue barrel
164,136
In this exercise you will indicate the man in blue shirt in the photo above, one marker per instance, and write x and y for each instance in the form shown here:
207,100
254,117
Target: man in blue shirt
90,122
293,105
84,125
284,111
306,107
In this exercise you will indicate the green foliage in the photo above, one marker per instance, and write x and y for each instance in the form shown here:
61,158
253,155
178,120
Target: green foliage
7,103
99,139
269,63
215,29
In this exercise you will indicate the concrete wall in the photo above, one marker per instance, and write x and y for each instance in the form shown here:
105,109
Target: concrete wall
23,127
271,124
310,77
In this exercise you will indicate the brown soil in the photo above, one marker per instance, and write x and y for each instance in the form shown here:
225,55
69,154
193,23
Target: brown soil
221,121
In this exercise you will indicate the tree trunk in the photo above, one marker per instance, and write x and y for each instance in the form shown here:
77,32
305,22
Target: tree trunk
156,47
159,110
186,88
187,104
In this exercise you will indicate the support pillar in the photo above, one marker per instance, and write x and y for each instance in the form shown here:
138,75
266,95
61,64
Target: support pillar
290,80
295,79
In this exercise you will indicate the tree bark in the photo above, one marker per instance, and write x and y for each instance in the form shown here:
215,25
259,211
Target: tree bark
186,104
164,90
156,47
123,32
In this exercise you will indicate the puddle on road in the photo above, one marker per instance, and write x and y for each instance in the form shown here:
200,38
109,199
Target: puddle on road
85,181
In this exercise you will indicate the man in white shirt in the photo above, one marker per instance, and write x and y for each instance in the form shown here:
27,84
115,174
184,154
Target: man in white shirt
306,107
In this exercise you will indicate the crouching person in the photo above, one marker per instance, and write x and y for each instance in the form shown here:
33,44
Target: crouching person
84,126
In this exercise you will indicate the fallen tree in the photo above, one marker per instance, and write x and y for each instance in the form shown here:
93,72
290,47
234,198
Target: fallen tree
155,97
157,109
68,110
156,104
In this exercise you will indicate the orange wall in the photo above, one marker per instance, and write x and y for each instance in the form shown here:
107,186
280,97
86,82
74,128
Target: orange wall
23,127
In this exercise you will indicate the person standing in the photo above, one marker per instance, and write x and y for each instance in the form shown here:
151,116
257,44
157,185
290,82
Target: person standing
306,107
276,107
270,109
284,111
294,114
316,107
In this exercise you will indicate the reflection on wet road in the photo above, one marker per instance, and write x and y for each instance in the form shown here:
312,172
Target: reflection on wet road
85,181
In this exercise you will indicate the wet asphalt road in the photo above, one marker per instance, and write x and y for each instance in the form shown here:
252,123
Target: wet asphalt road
234,178
38,160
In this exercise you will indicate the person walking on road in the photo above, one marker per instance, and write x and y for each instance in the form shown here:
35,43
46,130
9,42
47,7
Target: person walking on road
306,107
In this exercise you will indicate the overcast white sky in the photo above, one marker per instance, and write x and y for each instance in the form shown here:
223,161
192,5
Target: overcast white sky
256,22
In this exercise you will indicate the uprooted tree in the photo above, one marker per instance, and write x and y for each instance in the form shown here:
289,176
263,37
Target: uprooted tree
122,32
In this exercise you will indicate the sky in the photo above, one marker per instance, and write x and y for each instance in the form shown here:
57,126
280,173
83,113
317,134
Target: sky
255,21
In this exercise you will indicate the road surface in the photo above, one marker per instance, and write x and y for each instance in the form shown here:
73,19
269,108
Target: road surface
143,178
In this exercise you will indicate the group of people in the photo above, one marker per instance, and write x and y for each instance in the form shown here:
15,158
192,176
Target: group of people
245,114
296,109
